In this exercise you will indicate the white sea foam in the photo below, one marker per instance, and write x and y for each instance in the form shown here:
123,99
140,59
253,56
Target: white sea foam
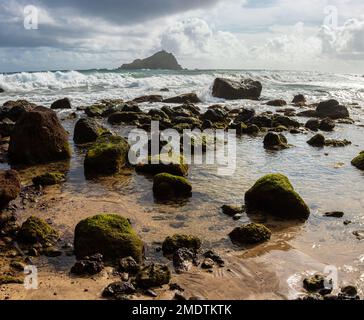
89,86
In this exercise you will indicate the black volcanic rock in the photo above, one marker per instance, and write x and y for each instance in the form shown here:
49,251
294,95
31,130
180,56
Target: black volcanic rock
160,60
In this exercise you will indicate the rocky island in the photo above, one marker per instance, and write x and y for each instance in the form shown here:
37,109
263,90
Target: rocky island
159,60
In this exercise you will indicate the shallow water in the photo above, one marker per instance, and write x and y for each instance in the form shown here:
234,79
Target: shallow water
323,176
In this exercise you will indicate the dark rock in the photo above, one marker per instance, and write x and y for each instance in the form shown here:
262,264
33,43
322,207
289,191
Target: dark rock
251,130
299,99
245,115
117,290
285,121
207,264
107,156
359,234
334,214
277,103
215,115
327,125
274,141
214,257
307,113
108,234
64,103
38,137
313,124
154,275
160,60
167,186
183,259
13,110
348,293
52,252
250,234
158,114
233,90
10,186
87,130
179,297
317,141
150,98
183,98
89,265
337,143
177,241
49,179
275,195
316,283
231,210
163,164
96,110
332,109
128,265
128,117
261,121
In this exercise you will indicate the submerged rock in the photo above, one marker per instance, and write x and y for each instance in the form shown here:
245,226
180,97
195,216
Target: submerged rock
277,103
275,195
108,234
327,125
177,241
313,124
183,98
38,137
107,156
251,233
154,275
64,103
337,143
274,141
334,214
358,161
36,230
10,186
149,98
164,164
88,130
166,186
49,179
331,109
231,210
233,90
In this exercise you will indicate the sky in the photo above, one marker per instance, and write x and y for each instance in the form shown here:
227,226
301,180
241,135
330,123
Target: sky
319,35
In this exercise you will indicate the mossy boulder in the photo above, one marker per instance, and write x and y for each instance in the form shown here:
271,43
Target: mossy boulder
164,164
275,141
317,140
173,243
49,179
167,186
36,230
274,194
10,186
358,161
250,234
154,275
95,110
107,156
108,234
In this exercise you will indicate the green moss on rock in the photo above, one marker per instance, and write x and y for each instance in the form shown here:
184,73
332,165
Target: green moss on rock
36,230
173,243
164,164
154,275
108,155
250,234
6,279
358,161
167,186
49,178
108,234
275,195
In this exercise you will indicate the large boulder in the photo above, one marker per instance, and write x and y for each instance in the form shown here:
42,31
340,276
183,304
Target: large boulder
64,103
331,109
164,164
36,230
275,195
10,186
233,89
166,186
107,156
38,137
87,130
108,234
358,161
183,98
